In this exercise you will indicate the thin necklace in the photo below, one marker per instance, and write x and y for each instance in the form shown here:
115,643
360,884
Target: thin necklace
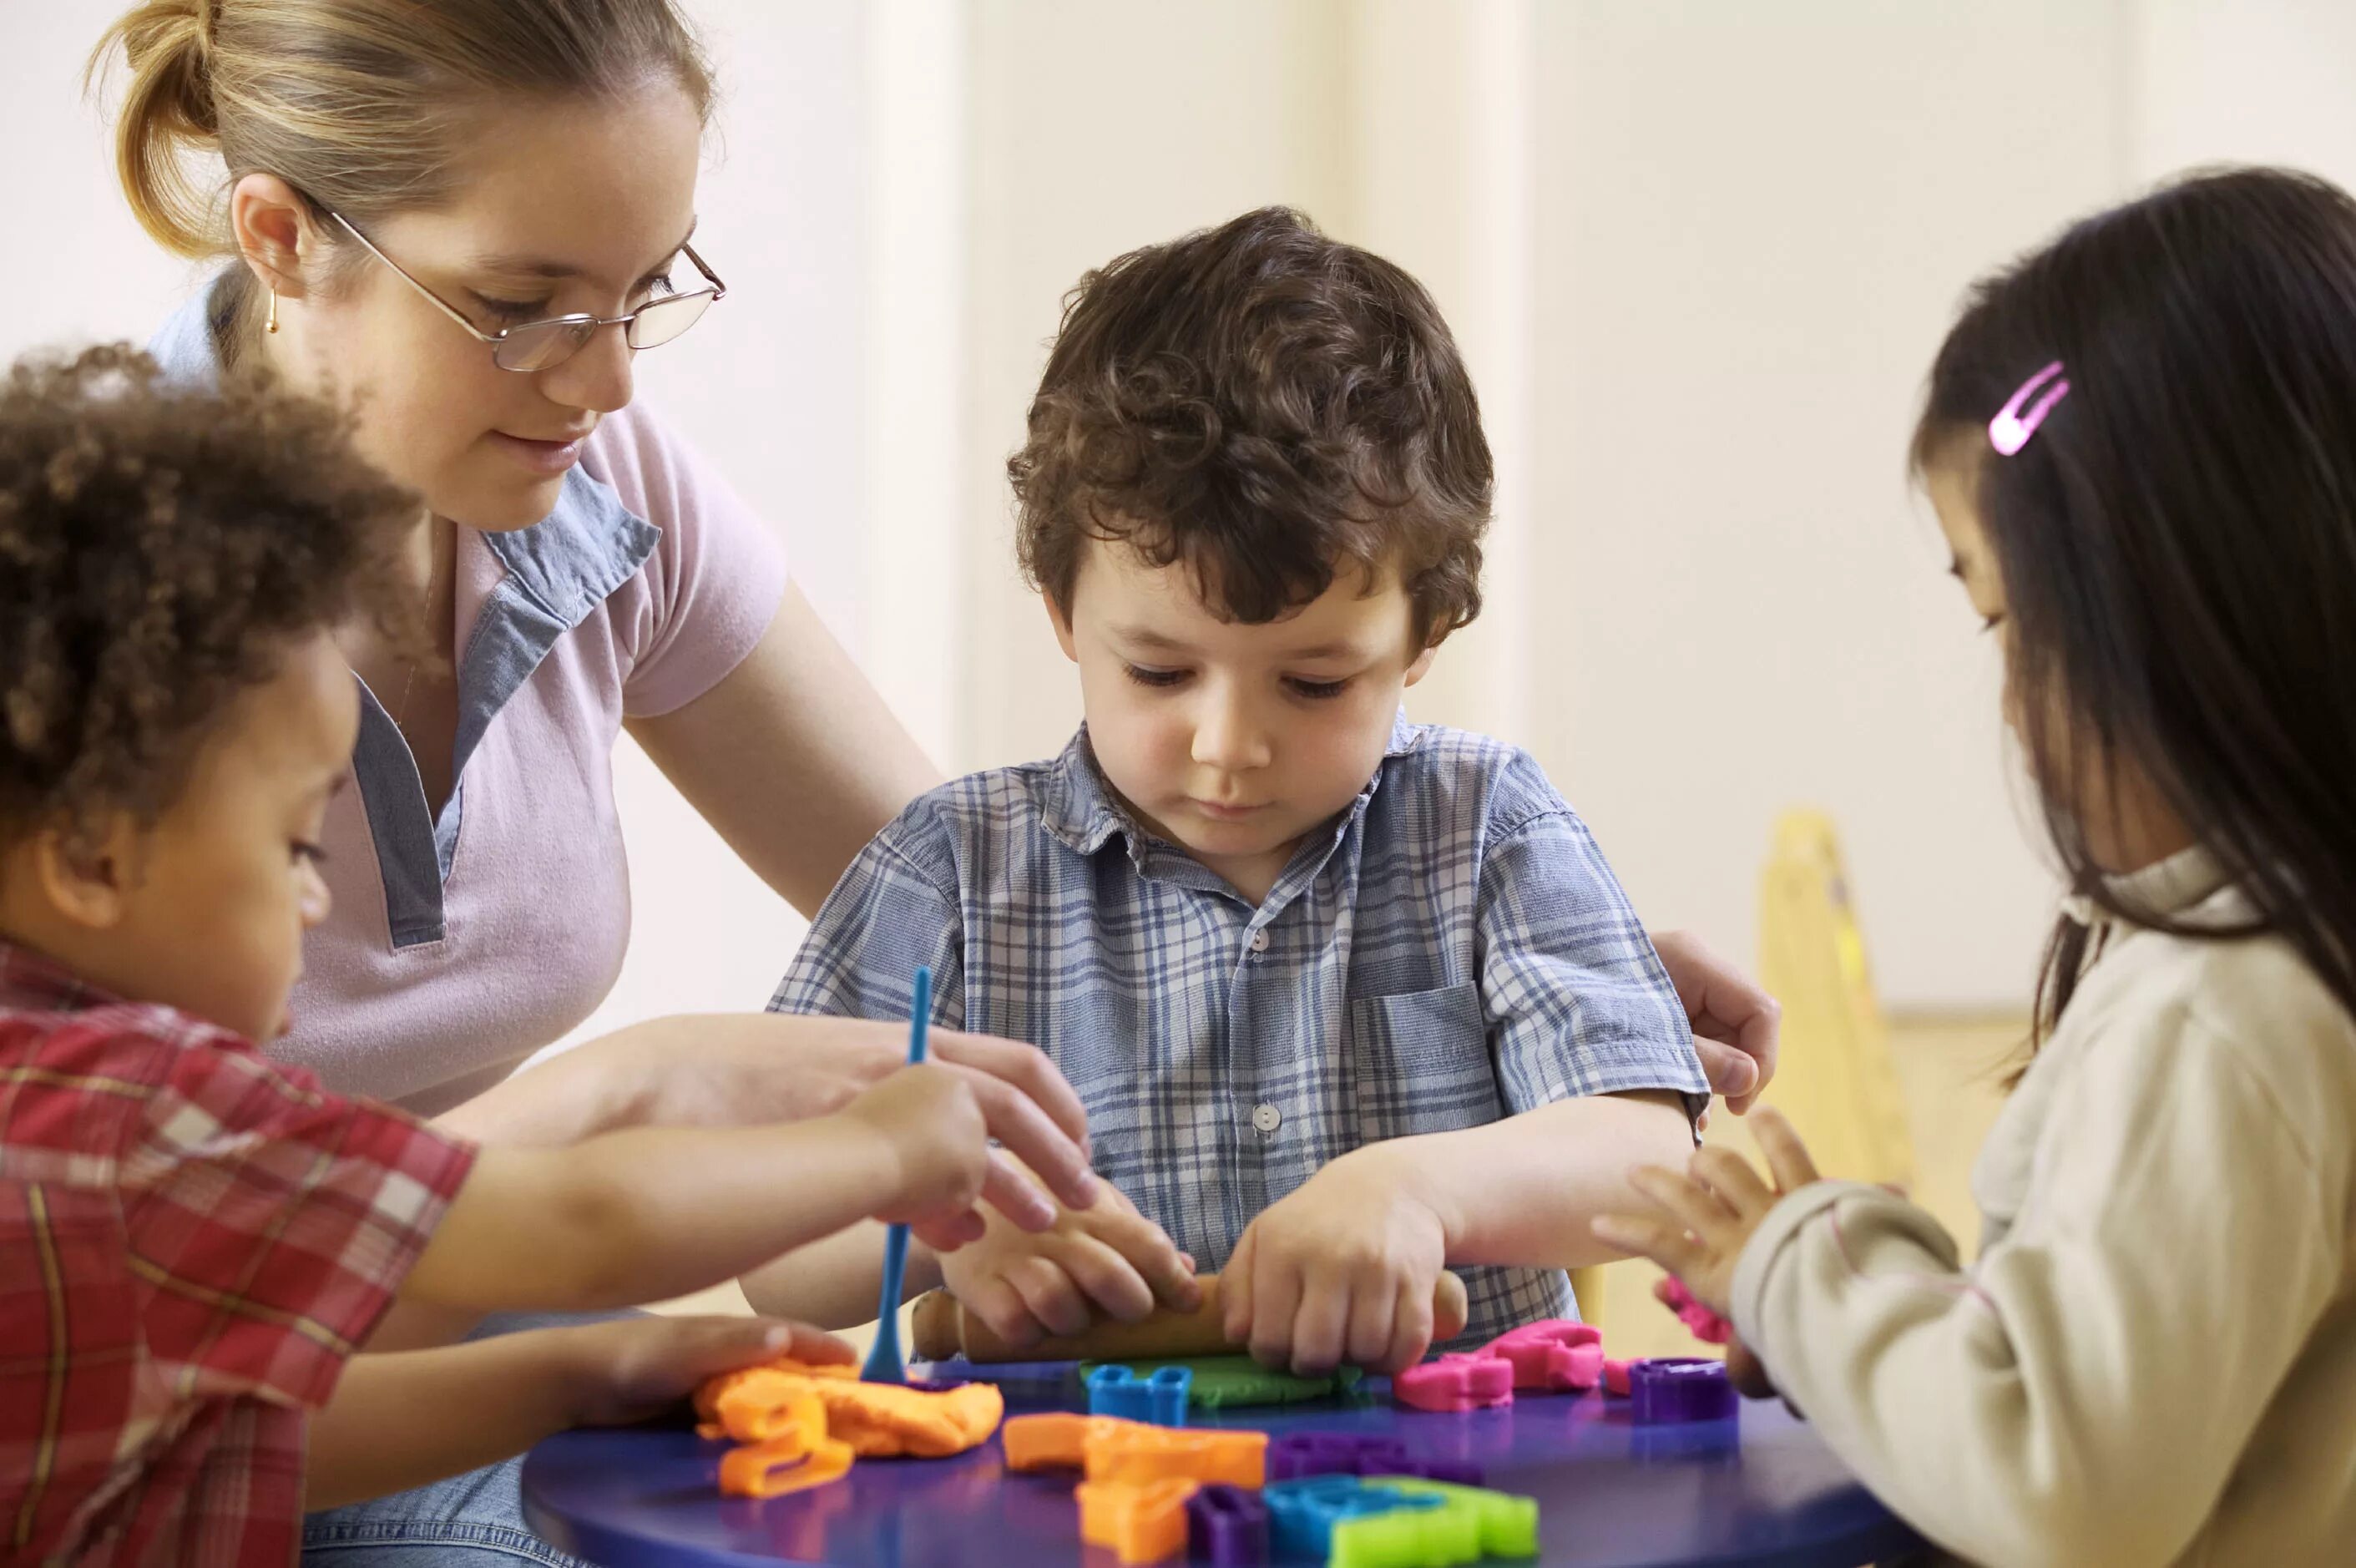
401,713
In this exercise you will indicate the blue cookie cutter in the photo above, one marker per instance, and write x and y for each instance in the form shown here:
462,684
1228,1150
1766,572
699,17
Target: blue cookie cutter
1160,1399
1304,1512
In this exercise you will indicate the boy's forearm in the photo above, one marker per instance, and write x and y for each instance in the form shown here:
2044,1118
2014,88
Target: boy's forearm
834,1282
1521,1192
390,1425
648,1214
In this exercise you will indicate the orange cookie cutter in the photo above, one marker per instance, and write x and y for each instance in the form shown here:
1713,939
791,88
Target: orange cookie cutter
797,1452
1111,1451
1144,1521
878,1421
1055,1440
1141,1454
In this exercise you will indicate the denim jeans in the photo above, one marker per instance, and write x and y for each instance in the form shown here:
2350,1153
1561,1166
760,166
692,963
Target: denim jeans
474,1520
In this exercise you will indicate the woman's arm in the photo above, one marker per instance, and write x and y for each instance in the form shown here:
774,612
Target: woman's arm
793,757
650,1213
735,1069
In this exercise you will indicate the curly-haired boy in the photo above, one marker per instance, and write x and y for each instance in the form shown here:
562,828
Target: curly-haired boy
1348,999
194,1241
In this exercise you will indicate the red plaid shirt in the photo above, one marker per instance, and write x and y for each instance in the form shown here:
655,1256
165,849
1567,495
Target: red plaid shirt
192,1242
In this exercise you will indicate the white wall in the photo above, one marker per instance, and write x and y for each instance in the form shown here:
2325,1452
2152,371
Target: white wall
1699,251
1755,224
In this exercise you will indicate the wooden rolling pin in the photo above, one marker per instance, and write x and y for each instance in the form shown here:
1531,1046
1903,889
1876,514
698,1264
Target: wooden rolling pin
942,1328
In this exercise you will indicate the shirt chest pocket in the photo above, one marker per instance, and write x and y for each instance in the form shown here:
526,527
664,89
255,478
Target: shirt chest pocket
1419,1063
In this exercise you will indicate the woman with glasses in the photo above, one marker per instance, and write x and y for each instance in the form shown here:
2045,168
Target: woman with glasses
462,219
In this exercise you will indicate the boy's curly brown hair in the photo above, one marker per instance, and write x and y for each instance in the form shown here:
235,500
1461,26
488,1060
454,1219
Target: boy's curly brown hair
1268,407
160,546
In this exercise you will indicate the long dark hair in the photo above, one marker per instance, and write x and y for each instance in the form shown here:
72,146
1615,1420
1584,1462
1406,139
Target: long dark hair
2178,541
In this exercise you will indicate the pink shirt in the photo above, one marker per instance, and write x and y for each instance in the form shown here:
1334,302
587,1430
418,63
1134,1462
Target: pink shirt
459,947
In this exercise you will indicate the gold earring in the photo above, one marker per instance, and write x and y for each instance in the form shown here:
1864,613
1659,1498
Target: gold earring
273,310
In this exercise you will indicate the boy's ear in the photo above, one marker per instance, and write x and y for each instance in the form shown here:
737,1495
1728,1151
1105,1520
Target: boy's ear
1062,625
1423,663
86,879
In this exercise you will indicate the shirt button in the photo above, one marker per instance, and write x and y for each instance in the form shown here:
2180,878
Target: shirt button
1267,1117
1259,940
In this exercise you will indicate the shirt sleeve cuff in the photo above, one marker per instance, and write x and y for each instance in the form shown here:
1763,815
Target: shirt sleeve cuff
1766,1248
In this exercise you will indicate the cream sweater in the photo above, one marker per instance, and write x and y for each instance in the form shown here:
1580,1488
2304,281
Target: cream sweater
2154,1359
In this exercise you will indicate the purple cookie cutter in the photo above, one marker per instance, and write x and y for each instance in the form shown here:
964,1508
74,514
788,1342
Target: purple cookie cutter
1679,1389
1297,1455
1227,1526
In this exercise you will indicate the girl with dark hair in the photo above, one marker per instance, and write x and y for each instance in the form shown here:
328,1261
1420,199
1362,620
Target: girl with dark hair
2141,445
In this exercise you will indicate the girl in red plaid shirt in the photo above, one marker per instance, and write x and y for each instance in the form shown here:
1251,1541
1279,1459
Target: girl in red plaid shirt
194,1242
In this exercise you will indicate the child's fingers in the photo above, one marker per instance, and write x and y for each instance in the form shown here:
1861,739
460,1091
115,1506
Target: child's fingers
1747,1373
1373,1314
1787,1157
1276,1302
1682,1197
950,1233
1321,1323
1011,1082
1106,1278
995,1301
648,1363
1666,1244
1017,1196
1236,1288
1411,1327
1168,1275
803,1342
1732,1177
1049,1293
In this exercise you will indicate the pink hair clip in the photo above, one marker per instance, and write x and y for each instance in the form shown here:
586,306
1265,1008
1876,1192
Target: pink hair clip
2009,431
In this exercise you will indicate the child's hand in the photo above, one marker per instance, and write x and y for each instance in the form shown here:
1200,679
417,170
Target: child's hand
1341,1271
1712,1209
932,1125
1106,1256
633,1368
1747,1373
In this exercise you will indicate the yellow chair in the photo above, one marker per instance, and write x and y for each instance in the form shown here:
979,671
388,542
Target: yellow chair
1835,1079
1587,1285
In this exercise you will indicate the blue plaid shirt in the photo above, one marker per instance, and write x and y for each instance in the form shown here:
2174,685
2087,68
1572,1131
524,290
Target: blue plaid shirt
1452,951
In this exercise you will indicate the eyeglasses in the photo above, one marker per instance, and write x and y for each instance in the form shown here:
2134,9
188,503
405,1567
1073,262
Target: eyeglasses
544,345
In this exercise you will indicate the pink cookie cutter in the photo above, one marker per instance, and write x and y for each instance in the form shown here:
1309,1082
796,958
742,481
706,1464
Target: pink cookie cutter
1556,1355
1456,1384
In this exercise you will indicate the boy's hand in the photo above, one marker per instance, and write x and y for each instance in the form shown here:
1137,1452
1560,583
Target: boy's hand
930,1121
1707,1214
1106,1257
1340,1272
631,1368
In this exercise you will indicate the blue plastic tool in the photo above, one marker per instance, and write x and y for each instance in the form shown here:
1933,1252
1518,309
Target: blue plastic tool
1303,1512
1160,1399
883,1363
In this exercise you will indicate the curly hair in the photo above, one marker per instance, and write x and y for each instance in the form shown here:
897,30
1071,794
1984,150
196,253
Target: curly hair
1268,407
160,546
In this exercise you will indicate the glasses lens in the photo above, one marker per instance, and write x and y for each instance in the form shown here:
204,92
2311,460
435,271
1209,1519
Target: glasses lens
665,320
541,344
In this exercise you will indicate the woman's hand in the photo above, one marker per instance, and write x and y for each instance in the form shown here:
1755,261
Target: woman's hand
1735,1024
746,1069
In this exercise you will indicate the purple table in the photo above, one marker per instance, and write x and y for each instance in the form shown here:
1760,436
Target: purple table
1759,1492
